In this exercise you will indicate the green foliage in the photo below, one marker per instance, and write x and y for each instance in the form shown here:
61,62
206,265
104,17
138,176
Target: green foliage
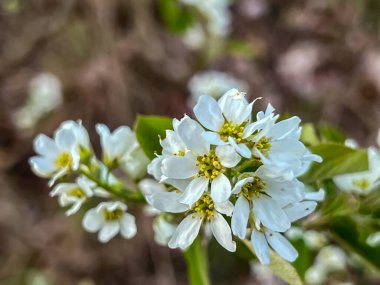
351,235
322,133
305,257
330,133
284,270
197,264
281,268
240,48
148,130
176,17
337,159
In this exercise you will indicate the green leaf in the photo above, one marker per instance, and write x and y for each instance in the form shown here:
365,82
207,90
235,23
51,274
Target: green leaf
197,264
176,17
330,133
148,130
337,159
352,236
281,268
284,270
309,135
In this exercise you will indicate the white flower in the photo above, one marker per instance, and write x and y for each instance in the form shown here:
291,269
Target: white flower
213,83
314,240
45,95
201,163
72,194
332,258
315,275
163,230
228,120
56,157
121,147
216,14
81,135
362,182
274,203
134,162
194,37
116,144
373,239
110,218
205,210
263,238
278,144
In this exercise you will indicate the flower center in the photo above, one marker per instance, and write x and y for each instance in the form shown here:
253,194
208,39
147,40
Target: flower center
263,145
253,189
181,153
63,160
77,192
204,207
362,184
113,215
209,165
232,130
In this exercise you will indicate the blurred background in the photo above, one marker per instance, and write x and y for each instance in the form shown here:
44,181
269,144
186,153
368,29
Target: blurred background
107,61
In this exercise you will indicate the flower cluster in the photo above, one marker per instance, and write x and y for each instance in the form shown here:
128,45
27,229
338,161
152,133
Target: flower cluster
226,163
69,162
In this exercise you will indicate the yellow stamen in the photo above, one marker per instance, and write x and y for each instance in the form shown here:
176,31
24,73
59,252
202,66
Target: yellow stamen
63,160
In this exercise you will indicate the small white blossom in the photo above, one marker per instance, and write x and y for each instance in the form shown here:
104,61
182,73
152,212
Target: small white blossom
228,120
122,148
373,239
115,144
362,182
206,211
201,164
263,238
163,230
110,218
56,157
45,95
73,194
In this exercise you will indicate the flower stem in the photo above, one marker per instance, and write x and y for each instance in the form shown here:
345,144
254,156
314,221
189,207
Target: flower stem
197,263
122,191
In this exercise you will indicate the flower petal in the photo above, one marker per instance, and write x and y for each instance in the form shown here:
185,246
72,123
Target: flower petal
45,146
227,156
168,202
299,210
208,113
224,207
240,217
186,232
281,245
108,231
240,184
92,221
260,246
270,214
179,167
241,148
222,232
128,226
194,191
65,139
191,134
42,166
213,138
220,188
